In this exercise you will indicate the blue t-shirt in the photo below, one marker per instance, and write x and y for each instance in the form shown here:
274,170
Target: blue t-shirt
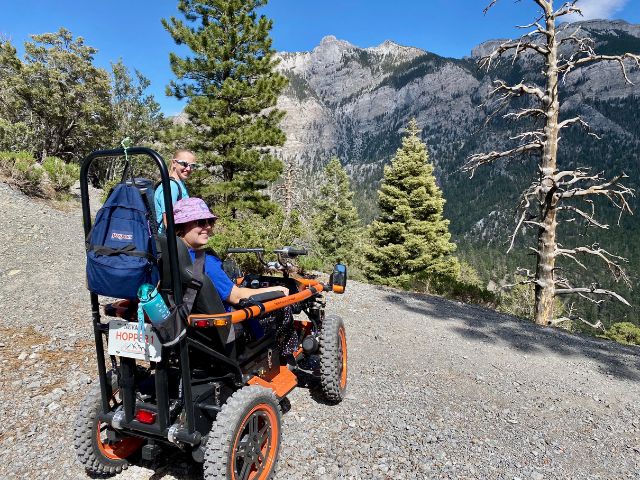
213,268
158,199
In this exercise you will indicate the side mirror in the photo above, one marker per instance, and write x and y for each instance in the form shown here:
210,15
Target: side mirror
338,278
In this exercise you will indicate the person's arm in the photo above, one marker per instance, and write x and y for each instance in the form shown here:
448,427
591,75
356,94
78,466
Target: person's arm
229,292
238,293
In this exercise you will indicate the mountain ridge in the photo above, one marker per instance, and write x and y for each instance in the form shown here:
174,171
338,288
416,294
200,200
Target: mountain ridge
354,103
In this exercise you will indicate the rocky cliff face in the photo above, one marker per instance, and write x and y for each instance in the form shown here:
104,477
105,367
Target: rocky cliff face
354,102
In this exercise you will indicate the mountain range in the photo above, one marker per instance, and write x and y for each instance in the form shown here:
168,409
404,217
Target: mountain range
354,103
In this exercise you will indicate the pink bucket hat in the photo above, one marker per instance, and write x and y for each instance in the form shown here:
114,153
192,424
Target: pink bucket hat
190,209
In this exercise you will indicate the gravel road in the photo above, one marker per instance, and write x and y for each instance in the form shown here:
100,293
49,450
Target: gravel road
437,389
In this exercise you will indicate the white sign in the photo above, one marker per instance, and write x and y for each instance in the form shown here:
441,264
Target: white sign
124,341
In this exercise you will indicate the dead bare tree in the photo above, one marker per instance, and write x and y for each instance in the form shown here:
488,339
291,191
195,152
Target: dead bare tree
556,192
289,193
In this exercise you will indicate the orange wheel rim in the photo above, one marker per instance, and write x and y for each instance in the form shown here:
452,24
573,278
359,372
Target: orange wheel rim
115,450
343,355
256,444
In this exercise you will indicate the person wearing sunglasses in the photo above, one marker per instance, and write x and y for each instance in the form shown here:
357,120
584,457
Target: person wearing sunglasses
182,164
194,223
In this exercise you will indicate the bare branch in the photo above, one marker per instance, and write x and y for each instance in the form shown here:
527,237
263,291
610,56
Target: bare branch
567,9
592,290
571,317
590,57
488,7
584,44
572,38
483,158
536,136
517,46
578,175
510,91
577,120
527,112
523,207
536,224
545,5
535,23
612,189
610,259
589,218
529,278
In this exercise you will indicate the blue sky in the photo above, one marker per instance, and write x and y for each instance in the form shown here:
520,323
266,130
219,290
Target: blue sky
131,30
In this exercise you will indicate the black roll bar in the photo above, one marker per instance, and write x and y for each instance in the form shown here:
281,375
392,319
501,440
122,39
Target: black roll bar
176,287
172,248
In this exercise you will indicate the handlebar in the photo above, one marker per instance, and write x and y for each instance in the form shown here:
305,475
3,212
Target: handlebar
284,253
245,250
291,252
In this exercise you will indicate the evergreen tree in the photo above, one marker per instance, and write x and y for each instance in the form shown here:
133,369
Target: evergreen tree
337,227
410,237
231,87
136,114
56,97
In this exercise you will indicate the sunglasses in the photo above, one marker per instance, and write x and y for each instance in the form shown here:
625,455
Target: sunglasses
206,222
185,164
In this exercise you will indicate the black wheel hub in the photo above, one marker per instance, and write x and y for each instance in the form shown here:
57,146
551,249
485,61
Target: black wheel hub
255,436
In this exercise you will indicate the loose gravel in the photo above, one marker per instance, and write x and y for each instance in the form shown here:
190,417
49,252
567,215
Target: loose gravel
437,389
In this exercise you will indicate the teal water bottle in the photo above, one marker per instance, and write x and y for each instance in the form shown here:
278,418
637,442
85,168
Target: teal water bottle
152,303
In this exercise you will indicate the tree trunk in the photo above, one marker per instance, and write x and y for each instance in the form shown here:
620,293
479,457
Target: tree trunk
545,282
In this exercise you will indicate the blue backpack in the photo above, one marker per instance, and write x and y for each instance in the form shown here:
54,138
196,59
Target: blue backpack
121,247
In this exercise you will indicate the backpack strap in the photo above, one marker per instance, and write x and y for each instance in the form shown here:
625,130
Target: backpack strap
171,179
153,224
179,189
127,250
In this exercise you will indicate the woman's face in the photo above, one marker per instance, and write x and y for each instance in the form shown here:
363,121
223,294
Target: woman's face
183,165
197,232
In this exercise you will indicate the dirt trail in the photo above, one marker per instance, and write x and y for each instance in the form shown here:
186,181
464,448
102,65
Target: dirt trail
437,389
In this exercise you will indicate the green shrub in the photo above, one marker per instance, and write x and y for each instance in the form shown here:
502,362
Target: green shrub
310,263
518,300
51,179
624,332
62,175
465,287
460,289
9,159
15,136
21,169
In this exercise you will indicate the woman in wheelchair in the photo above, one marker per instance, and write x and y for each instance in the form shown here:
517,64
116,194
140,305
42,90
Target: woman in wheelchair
194,222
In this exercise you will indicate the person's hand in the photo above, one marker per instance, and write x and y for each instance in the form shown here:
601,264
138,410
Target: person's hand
282,289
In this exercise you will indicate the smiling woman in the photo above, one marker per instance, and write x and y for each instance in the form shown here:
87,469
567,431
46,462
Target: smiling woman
194,223
182,164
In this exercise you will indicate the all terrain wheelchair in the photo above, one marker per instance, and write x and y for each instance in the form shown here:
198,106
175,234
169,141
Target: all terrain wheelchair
219,390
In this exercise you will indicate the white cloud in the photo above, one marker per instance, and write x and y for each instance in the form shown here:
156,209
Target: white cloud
602,9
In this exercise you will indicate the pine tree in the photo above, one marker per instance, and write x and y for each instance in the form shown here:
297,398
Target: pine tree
230,83
410,237
337,227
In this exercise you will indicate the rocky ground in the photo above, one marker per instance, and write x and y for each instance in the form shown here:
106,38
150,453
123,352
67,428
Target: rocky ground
437,389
